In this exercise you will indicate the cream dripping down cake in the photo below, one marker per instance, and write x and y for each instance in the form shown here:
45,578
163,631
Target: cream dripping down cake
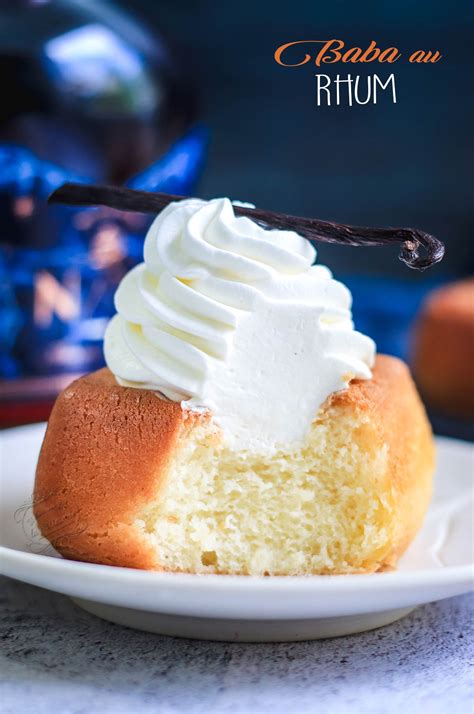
242,425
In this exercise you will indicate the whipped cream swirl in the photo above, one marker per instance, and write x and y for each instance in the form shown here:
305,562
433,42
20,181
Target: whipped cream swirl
233,318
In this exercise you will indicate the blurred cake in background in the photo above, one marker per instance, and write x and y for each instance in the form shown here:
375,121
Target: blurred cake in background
443,349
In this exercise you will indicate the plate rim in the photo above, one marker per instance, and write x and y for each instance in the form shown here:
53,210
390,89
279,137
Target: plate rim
363,581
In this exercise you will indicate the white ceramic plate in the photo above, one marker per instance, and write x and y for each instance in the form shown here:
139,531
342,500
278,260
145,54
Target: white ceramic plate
438,564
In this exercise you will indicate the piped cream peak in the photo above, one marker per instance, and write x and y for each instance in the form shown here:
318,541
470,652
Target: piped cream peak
228,316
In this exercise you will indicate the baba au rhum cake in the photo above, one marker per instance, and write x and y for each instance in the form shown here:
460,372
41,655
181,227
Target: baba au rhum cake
443,349
128,478
242,425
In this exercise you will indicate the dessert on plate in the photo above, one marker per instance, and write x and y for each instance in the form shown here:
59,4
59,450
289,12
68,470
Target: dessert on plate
443,349
242,425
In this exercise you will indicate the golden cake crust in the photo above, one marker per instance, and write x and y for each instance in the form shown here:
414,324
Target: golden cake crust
104,448
107,449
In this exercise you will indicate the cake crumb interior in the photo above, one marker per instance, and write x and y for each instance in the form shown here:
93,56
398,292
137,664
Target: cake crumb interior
321,507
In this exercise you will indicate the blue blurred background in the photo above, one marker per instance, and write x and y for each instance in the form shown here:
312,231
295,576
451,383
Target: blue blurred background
406,164
185,96
403,164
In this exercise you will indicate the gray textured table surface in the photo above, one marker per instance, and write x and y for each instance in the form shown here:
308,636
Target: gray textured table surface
56,659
